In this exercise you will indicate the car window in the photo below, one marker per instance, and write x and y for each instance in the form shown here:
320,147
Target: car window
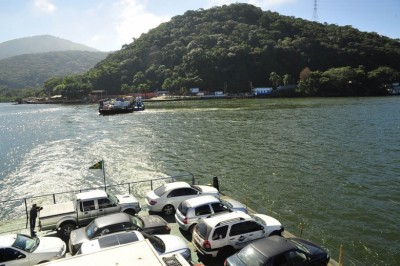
238,229
250,256
88,205
220,232
218,207
252,226
105,203
183,208
295,257
160,190
7,254
182,192
202,210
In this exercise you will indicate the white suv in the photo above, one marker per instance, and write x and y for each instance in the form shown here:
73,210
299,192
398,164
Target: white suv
191,210
221,235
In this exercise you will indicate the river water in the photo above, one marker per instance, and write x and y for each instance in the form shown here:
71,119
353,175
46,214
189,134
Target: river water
331,164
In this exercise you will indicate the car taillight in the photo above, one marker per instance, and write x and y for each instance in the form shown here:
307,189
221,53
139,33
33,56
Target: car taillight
206,244
153,202
185,220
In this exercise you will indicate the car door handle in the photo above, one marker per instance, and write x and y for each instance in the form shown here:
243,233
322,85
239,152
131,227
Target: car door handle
241,238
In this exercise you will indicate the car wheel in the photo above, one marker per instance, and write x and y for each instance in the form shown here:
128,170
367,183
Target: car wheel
66,230
168,209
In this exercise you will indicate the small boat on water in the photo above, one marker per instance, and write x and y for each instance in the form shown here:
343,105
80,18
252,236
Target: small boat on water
139,104
116,106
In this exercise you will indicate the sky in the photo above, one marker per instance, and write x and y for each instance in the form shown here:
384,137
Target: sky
107,25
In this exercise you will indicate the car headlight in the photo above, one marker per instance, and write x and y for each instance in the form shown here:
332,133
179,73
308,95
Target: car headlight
61,253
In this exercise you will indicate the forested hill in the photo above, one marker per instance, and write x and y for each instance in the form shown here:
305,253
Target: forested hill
39,44
232,45
32,70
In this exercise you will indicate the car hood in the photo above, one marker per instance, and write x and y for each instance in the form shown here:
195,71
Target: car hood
153,221
125,199
268,220
315,251
172,243
50,245
208,190
78,236
236,205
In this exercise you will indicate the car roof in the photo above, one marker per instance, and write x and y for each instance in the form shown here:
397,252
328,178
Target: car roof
226,218
272,246
112,219
117,238
91,194
201,200
7,240
173,185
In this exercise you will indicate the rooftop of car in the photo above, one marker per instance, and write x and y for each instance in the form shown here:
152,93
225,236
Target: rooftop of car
200,200
91,194
112,219
174,185
7,240
272,246
226,218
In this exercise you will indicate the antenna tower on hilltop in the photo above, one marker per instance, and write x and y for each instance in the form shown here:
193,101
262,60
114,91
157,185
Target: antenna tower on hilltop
315,13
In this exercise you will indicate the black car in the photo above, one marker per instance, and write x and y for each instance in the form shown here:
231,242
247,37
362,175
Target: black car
152,224
276,251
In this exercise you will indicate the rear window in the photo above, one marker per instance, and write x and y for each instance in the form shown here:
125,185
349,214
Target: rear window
203,230
183,208
159,191
250,256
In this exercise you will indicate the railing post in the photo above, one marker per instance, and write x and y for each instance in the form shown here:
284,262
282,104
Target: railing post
151,184
129,188
26,211
54,198
340,255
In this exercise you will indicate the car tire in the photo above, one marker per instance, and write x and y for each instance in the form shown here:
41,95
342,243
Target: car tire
66,229
168,209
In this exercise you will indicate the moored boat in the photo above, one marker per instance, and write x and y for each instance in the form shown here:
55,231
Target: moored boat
117,106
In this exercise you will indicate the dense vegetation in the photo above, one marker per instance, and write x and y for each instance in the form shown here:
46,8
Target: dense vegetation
32,70
39,44
230,47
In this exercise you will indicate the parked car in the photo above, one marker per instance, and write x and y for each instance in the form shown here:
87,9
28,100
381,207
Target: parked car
191,210
169,244
276,250
111,240
167,197
152,224
67,216
221,235
19,249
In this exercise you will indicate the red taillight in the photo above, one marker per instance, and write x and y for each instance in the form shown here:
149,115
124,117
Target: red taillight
153,202
206,244
185,220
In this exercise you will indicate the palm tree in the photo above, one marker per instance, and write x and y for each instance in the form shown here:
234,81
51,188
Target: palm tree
275,79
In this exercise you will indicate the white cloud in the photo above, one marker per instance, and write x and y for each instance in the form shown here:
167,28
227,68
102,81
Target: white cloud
44,6
132,19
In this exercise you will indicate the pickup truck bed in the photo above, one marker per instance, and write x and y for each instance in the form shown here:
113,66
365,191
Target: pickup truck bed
64,208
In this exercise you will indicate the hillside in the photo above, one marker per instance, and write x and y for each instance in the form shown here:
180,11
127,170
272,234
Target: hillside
39,44
32,70
226,48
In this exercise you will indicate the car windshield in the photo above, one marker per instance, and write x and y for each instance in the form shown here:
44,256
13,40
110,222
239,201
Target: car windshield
159,191
258,219
196,188
137,221
300,246
91,230
26,243
113,199
157,243
251,257
227,204
203,230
